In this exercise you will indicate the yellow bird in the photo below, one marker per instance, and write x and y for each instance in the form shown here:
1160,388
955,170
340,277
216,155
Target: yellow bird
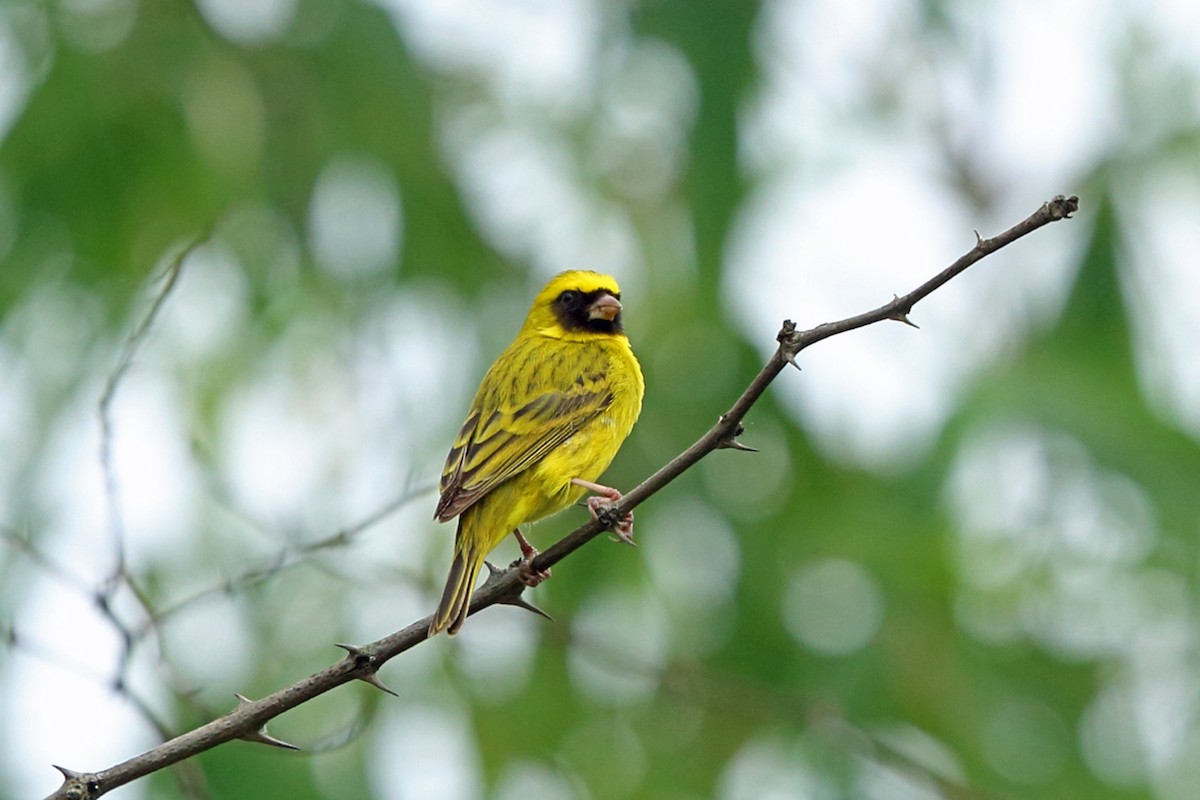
547,420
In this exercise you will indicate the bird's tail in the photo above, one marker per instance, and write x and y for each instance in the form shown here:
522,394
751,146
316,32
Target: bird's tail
456,597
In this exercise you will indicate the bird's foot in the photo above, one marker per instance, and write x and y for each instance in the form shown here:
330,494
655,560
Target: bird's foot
622,528
526,574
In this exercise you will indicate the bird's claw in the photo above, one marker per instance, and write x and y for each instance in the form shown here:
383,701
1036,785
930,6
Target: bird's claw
526,574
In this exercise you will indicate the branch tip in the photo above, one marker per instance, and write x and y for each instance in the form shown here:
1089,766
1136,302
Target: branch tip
786,331
1061,207
788,343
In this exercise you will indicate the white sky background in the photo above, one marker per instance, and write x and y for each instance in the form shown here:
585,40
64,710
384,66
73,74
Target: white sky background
845,211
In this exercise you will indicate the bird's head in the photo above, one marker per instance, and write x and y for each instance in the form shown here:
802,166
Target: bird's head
577,305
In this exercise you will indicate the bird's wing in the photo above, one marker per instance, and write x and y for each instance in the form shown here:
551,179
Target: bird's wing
509,431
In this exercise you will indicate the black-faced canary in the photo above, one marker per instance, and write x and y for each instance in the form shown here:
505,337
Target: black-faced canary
547,420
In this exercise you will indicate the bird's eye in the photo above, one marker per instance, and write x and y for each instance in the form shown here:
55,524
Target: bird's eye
568,298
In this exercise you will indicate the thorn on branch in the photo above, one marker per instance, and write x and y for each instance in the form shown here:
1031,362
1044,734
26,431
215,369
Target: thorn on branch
69,774
512,595
366,664
521,602
372,678
901,315
730,442
261,736
495,574
77,785
361,658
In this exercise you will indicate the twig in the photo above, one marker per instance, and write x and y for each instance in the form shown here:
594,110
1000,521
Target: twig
249,719
22,543
287,558
104,407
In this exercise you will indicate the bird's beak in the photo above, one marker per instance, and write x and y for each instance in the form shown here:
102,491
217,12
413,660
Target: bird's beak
605,307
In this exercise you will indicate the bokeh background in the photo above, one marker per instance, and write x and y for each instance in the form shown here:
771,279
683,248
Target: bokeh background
963,565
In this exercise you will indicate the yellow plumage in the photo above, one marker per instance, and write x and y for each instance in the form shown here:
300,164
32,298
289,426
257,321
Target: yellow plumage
553,409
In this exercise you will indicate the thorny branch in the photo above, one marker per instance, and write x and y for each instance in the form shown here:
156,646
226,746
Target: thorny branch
249,719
